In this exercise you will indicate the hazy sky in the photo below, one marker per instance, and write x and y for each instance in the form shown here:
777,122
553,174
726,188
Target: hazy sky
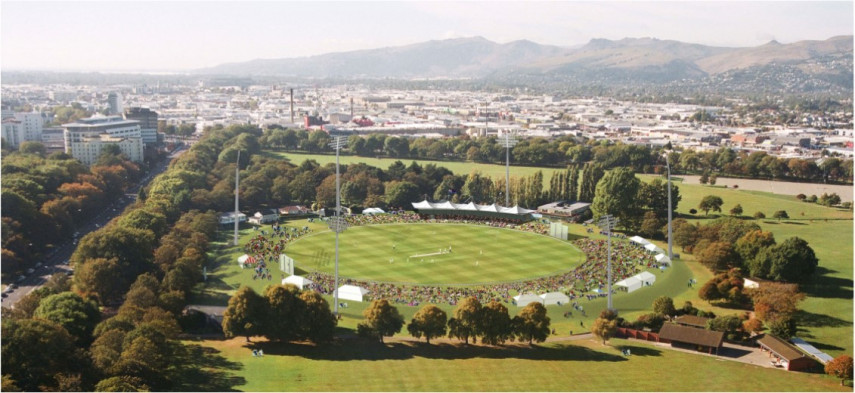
170,36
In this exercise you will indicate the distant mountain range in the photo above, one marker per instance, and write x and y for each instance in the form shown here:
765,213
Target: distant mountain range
800,67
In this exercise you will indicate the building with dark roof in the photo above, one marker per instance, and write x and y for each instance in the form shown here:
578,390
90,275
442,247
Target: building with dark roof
692,321
785,354
691,338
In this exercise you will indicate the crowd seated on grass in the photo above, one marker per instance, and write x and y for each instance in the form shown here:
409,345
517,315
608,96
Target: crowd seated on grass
403,217
265,247
579,284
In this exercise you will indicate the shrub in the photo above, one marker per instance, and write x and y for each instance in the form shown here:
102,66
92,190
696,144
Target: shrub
693,211
759,215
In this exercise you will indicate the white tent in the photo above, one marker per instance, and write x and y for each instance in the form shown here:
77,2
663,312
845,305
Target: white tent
300,282
242,260
373,210
662,258
351,292
555,298
524,299
631,283
653,248
646,278
639,240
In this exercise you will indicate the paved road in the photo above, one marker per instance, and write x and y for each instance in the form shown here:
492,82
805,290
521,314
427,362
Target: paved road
57,261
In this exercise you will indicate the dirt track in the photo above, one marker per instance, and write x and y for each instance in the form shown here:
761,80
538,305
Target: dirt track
778,187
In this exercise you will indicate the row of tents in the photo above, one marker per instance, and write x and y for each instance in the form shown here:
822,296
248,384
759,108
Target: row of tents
546,299
345,292
660,253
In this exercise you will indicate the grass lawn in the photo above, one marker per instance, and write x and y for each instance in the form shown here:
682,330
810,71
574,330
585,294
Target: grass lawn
409,253
582,365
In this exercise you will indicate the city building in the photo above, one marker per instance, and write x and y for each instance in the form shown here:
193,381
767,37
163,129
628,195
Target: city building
148,123
12,132
114,99
53,139
89,148
125,133
22,127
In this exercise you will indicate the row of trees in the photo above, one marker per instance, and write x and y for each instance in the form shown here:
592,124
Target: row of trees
641,207
471,319
45,198
568,151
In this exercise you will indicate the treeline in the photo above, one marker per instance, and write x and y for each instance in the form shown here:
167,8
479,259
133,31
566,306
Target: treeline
46,197
566,151
146,262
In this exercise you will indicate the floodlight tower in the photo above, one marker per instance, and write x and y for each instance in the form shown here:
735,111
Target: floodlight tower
508,142
337,223
607,223
668,165
237,193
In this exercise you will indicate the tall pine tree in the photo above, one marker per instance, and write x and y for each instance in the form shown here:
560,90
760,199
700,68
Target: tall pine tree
592,174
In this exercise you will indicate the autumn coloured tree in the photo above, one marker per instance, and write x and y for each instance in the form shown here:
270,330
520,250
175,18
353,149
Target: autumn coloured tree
381,320
465,323
840,367
429,322
532,323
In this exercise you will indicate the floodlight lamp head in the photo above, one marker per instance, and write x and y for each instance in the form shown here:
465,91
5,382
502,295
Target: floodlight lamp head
338,142
338,224
508,141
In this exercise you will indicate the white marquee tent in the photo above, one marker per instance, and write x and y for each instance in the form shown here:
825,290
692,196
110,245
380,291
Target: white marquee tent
300,282
554,298
242,260
639,240
524,299
373,210
351,292
662,258
646,278
630,283
653,248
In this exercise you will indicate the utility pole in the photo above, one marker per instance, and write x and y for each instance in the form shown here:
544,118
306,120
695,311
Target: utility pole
337,223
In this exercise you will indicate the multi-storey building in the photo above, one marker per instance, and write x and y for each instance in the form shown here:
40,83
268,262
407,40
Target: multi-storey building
85,132
148,123
12,132
114,99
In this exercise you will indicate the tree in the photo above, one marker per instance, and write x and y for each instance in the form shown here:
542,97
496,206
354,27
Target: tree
713,179
752,325
604,328
591,175
774,301
736,211
705,178
750,244
284,312
759,215
400,194
780,214
98,277
731,325
319,322
718,256
243,314
616,194
76,315
651,224
430,322
122,383
840,367
381,319
495,324
791,261
664,305
532,324
784,327
465,324
710,202
35,350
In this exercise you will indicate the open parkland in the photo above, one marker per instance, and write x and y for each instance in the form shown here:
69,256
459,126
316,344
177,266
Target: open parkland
564,362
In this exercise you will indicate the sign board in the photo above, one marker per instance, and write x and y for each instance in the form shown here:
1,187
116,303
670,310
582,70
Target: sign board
286,264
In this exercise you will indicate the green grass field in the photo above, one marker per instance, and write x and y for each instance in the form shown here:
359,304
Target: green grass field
410,253
582,365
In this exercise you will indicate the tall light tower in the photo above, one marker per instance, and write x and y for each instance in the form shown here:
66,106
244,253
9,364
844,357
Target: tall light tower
337,223
508,141
237,193
668,165
607,223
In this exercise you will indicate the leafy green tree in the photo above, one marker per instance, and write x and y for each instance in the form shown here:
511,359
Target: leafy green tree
651,225
780,214
284,313
759,215
791,261
401,194
840,367
591,175
381,319
718,256
531,324
31,147
99,277
731,325
784,327
430,322
465,322
604,328
319,322
664,305
654,196
710,202
736,211
495,324
122,383
106,350
35,350
76,315
244,313
616,194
